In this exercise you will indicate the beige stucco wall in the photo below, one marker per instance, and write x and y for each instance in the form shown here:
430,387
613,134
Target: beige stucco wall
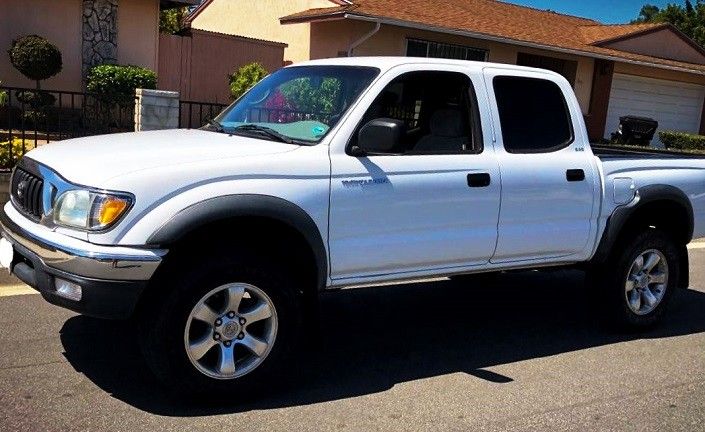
630,69
60,21
260,19
57,20
663,44
138,33
332,38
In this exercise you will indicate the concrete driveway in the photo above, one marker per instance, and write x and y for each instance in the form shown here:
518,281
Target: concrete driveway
523,354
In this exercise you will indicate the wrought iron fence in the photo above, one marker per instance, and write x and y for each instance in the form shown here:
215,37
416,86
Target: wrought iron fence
196,114
35,117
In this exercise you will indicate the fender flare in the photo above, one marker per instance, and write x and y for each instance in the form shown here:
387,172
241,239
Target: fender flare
245,205
644,195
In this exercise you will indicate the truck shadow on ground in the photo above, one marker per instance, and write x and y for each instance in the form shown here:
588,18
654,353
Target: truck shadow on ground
371,339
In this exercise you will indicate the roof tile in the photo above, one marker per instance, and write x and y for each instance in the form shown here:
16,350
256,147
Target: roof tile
502,20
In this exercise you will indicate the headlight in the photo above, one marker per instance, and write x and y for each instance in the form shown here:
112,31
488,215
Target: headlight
90,210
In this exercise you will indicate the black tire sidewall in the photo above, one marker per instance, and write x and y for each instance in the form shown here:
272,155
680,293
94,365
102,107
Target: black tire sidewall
162,333
628,250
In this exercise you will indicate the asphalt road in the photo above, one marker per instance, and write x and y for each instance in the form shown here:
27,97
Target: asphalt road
523,354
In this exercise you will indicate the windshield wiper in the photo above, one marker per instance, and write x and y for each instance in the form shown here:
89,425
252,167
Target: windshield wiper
271,133
216,125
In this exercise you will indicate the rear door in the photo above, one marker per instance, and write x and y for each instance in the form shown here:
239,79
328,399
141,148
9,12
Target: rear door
549,182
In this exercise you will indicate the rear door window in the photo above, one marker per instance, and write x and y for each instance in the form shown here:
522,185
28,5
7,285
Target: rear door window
533,114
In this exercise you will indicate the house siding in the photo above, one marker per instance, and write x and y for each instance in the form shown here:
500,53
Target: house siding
60,21
333,38
664,43
260,19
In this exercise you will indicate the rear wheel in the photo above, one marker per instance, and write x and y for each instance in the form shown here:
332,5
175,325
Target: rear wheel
640,279
228,324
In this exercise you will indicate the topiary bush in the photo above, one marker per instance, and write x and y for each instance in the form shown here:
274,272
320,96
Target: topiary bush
117,84
245,78
35,57
682,141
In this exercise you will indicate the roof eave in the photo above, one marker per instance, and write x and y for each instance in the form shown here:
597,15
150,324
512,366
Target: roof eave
483,36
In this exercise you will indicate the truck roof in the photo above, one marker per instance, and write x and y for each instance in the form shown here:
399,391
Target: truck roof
386,63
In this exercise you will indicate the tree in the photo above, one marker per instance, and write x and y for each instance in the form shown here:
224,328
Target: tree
35,57
171,20
688,18
647,14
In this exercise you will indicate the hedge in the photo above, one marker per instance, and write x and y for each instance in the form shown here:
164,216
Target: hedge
682,141
117,84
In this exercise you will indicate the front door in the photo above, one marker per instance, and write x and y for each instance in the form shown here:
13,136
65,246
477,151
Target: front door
433,203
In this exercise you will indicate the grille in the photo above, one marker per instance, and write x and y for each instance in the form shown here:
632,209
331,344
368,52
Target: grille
27,193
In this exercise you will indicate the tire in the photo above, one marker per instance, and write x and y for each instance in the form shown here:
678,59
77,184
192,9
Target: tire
624,301
164,336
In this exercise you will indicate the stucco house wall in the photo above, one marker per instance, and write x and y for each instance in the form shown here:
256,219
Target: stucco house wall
333,38
660,42
57,20
259,19
61,22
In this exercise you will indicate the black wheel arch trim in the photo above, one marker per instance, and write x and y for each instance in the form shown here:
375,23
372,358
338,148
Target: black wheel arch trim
245,205
645,195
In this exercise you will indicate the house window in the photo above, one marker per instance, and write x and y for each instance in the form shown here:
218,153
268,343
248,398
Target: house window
567,68
422,48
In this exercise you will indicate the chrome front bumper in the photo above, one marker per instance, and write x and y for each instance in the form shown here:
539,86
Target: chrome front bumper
80,258
111,278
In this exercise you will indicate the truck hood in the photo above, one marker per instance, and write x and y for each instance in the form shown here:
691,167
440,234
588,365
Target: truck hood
92,161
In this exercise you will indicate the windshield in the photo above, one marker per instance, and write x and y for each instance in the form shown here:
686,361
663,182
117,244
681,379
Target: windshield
300,104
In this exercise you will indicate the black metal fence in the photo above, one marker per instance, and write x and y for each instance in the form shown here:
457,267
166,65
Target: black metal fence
193,114
196,114
36,117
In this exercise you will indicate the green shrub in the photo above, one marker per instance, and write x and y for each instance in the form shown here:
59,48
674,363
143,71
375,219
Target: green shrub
35,57
245,78
7,161
682,141
117,84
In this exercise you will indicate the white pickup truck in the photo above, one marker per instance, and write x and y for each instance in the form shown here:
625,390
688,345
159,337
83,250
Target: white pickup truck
339,173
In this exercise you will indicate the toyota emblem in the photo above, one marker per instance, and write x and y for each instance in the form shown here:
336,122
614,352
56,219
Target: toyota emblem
21,189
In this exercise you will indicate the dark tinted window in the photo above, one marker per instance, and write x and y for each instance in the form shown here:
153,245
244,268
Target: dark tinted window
534,115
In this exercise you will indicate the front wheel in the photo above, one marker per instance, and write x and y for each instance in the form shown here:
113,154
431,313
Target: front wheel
223,325
640,279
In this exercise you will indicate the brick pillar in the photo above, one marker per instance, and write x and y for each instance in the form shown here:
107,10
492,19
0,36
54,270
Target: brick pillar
156,109
99,34
599,99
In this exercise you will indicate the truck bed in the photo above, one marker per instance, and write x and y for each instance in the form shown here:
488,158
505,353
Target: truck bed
607,152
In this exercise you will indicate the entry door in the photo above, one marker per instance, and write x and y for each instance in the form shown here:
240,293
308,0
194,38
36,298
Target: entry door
549,185
431,204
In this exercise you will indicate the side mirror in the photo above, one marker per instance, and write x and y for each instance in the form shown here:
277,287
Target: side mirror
382,135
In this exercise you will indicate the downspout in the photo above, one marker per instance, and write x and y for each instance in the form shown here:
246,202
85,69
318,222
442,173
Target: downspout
364,38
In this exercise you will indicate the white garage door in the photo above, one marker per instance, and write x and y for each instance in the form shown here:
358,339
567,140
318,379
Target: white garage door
675,105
